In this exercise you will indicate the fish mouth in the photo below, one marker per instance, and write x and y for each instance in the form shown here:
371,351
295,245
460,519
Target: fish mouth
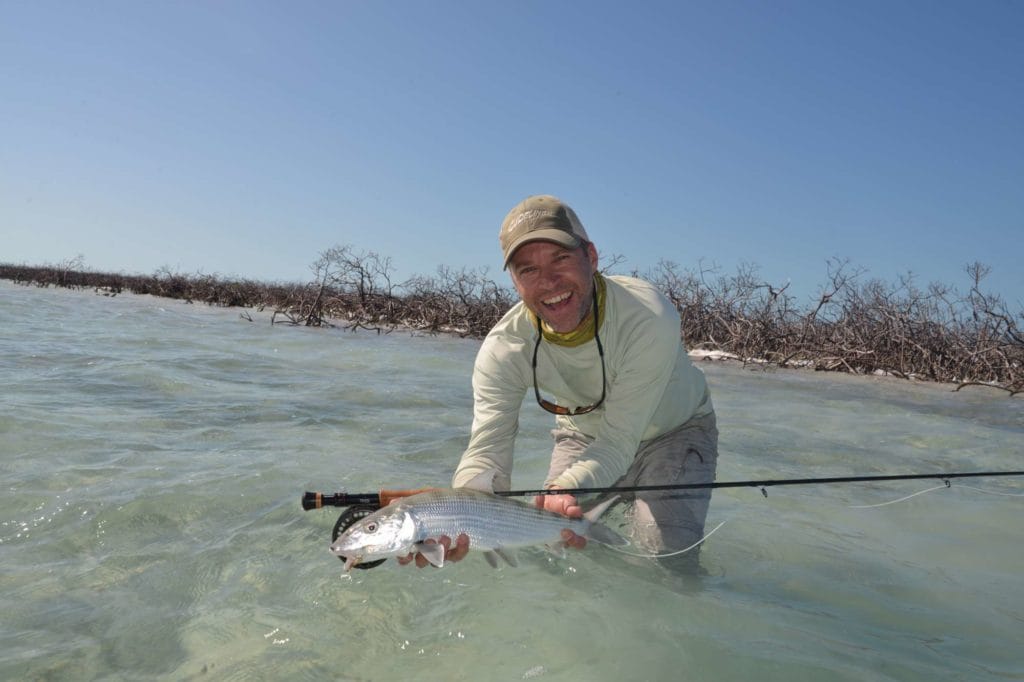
358,561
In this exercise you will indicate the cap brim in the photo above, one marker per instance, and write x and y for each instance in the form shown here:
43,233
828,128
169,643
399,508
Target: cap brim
560,237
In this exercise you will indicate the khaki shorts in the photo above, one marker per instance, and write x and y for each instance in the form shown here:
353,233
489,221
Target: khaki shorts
660,521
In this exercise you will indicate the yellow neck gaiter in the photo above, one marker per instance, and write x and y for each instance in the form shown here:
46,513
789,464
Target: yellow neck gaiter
585,331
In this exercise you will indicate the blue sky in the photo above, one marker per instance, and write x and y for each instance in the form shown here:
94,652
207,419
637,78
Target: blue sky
244,138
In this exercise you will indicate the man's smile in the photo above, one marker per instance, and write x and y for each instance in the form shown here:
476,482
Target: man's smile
555,300
554,282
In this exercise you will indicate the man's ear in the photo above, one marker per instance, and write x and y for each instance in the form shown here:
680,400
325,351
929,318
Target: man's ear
592,255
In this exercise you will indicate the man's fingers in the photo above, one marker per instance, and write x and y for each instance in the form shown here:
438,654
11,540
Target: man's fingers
458,550
452,551
566,505
573,540
461,548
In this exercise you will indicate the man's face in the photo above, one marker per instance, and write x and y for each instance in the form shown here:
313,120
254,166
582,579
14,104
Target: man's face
555,283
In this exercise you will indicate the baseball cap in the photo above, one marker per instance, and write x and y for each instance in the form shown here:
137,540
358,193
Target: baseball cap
540,218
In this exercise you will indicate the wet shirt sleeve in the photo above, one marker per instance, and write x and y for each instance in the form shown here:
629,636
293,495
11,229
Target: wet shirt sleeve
498,388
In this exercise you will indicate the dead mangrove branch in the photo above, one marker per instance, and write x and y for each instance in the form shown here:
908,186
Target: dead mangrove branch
853,324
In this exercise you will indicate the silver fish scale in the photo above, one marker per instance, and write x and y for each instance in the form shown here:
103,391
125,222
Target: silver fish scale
489,521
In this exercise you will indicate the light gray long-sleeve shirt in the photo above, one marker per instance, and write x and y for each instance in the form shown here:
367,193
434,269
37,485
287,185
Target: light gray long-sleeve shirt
653,387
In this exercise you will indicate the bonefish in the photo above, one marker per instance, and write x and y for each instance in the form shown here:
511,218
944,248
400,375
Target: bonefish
494,524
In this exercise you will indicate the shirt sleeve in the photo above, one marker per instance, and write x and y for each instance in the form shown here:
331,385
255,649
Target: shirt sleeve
498,389
645,362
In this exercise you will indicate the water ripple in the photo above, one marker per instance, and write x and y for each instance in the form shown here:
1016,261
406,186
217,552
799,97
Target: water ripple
153,455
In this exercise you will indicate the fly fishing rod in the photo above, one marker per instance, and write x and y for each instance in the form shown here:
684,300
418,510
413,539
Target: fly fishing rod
313,500
360,505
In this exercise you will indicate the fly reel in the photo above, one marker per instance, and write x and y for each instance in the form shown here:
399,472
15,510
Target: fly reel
348,517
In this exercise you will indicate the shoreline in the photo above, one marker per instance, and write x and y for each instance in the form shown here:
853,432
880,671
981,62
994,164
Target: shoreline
938,335
700,356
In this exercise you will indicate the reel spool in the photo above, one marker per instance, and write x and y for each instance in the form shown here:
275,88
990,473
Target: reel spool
347,518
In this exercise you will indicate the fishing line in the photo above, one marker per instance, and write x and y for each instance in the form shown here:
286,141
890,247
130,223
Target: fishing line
902,499
929,490
670,554
992,492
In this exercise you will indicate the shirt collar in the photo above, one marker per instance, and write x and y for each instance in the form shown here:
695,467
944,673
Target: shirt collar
585,331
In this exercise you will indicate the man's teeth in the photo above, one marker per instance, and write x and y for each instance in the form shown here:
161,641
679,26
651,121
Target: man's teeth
557,299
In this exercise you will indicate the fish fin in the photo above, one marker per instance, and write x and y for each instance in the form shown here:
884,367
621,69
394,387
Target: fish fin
483,481
598,532
433,552
595,513
509,558
492,559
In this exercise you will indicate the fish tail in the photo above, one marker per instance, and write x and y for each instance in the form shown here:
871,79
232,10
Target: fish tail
598,531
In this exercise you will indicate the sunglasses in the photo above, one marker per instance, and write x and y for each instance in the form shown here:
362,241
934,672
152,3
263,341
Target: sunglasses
559,409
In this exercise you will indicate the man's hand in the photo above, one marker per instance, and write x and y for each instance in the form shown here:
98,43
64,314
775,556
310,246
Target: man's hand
566,505
456,553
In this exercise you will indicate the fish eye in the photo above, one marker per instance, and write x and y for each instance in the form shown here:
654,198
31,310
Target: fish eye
371,527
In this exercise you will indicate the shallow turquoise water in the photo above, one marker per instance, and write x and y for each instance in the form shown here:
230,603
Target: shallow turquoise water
153,454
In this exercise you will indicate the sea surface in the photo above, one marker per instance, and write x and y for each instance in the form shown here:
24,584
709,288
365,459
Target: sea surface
153,455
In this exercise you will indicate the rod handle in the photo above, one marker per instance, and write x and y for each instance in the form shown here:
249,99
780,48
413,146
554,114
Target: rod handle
311,500
389,496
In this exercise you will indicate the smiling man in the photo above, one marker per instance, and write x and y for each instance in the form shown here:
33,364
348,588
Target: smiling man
630,408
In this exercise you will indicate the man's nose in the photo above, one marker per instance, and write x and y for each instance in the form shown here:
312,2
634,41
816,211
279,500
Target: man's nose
549,276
